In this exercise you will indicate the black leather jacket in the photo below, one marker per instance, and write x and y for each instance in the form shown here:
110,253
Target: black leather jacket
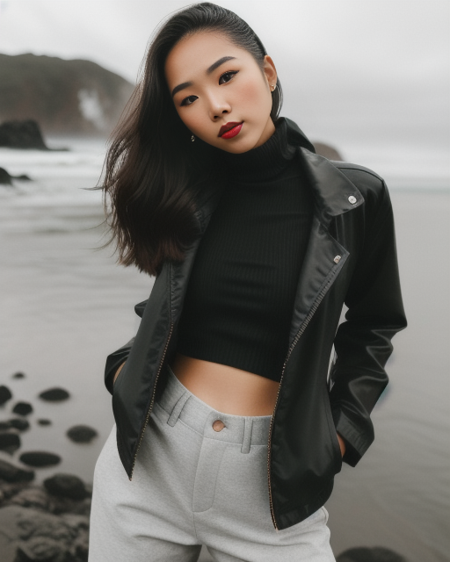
350,260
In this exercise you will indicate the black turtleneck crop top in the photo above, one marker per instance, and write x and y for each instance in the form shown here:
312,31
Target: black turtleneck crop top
239,300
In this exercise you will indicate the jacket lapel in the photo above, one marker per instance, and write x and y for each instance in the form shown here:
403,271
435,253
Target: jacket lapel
334,195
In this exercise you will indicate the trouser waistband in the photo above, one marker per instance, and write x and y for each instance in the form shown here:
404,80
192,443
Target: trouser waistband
181,404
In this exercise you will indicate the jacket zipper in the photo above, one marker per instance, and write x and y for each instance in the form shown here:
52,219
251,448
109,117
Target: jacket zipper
303,327
150,408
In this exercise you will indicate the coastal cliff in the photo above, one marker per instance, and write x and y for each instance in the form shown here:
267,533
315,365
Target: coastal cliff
66,97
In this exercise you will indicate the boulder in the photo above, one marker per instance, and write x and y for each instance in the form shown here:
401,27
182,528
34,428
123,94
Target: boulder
5,394
32,535
18,375
54,394
5,178
22,408
44,421
21,134
12,473
19,423
81,433
40,549
9,442
328,151
66,485
32,496
39,458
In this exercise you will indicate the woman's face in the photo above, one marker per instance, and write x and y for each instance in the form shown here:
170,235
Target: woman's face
220,92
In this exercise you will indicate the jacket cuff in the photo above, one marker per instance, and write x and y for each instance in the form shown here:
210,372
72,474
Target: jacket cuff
356,442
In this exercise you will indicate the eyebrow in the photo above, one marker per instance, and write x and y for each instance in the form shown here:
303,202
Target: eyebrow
209,70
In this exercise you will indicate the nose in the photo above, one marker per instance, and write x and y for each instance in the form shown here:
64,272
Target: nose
218,107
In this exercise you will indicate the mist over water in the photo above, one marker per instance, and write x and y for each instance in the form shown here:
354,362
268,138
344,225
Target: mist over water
65,305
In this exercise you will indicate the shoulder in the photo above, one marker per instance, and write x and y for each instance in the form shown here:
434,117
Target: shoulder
364,178
371,185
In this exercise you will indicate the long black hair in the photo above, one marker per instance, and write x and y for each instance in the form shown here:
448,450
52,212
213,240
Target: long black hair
150,184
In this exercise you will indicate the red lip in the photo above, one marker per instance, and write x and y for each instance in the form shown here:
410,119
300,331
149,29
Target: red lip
230,130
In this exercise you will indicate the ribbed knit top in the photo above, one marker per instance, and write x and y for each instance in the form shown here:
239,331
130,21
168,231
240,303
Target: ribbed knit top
239,300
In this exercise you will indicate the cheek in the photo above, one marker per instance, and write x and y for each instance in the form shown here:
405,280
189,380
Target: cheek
254,96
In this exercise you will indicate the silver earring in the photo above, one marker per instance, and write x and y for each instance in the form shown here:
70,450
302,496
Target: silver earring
273,87
192,138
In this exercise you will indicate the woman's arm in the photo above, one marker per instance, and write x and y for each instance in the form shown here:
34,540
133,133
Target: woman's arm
341,444
118,372
363,342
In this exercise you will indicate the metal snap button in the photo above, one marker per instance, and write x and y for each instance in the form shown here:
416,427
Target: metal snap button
352,199
218,425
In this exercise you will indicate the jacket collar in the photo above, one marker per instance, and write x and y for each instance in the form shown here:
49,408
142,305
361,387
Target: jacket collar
334,193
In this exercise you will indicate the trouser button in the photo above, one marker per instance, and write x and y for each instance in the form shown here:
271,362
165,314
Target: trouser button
218,425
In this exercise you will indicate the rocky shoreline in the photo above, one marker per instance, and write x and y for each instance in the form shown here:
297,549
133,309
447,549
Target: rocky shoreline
48,521
45,523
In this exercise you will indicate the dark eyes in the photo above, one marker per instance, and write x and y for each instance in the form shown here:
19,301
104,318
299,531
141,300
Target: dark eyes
226,77
189,100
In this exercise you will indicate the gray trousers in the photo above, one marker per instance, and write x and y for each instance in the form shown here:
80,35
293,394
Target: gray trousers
200,479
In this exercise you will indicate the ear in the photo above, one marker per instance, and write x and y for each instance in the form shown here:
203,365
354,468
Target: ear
269,70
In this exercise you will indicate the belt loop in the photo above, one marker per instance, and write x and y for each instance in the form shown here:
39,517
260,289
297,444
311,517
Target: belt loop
246,442
175,414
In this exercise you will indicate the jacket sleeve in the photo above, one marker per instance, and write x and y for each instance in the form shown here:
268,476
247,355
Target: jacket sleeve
115,359
363,342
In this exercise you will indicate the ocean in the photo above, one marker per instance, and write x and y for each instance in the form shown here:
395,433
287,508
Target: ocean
65,305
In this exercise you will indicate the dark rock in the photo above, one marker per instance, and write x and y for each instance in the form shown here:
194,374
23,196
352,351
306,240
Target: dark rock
19,423
9,442
18,375
5,394
39,458
21,134
328,151
9,490
39,536
12,473
44,421
376,554
76,507
32,496
54,394
5,178
81,433
22,408
60,505
66,485
40,549
5,425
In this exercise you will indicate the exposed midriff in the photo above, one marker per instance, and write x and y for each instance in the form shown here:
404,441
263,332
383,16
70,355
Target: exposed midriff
226,389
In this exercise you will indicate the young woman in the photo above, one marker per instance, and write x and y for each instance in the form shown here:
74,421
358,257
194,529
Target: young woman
230,423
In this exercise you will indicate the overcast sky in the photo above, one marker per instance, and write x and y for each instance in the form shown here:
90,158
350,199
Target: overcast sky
369,76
